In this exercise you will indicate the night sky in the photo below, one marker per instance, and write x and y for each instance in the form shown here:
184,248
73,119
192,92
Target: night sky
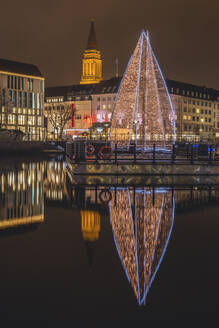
53,34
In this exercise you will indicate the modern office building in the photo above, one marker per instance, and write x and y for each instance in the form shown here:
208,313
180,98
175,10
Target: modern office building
22,98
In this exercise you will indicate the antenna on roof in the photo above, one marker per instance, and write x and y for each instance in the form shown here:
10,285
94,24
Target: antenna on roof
117,66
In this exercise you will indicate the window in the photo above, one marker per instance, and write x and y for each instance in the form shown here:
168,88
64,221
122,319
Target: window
19,99
38,100
10,96
104,106
14,101
98,98
109,106
30,84
109,98
209,104
193,118
193,102
12,82
209,112
202,112
77,117
3,97
39,121
193,110
104,99
197,119
192,93
206,112
187,93
30,100
184,117
33,100
197,110
19,83
209,120
15,82
24,99
185,101
198,103
185,109
185,127
21,119
8,82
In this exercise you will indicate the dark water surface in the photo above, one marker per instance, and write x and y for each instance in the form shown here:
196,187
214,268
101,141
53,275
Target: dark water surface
67,257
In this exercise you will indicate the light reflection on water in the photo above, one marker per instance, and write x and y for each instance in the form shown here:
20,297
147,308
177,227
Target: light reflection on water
141,218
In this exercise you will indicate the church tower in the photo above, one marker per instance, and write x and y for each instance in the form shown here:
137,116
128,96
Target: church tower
92,62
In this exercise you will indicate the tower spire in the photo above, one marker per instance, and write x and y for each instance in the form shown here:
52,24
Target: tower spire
92,40
91,62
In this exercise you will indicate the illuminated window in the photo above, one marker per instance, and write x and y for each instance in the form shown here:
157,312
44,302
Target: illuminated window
38,100
184,117
39,121
197,110
104,106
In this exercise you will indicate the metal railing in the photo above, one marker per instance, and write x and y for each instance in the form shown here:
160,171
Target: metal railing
93,152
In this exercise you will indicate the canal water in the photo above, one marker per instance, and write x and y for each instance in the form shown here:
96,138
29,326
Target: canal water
75,253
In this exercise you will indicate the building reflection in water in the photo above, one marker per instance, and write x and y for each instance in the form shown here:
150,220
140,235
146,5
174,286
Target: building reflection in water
142,222
55,181
21,195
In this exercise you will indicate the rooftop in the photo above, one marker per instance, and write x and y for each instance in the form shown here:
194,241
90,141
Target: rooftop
19,68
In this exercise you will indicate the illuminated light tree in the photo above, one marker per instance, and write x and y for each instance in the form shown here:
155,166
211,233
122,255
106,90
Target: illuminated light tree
58,118
141,229
143,110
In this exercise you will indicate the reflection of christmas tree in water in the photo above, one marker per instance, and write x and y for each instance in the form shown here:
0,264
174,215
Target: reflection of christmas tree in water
143,110
141,223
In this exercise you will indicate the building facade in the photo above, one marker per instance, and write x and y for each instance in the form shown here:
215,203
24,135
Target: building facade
22,98
92,101
196,108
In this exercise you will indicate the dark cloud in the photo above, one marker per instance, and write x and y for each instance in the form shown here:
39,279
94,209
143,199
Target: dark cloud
53,34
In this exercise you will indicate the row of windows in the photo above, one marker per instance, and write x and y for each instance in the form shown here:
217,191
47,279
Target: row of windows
190,93
196,128
200,103
15,82
56,107
21,111
194,118
105,98
104,106
49,100
24,99
197,110
21,119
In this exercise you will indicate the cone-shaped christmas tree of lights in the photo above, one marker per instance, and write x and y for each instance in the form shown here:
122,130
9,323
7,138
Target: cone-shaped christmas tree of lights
142,225
143,110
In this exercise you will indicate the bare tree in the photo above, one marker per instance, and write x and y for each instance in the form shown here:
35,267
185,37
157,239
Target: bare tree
58,116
